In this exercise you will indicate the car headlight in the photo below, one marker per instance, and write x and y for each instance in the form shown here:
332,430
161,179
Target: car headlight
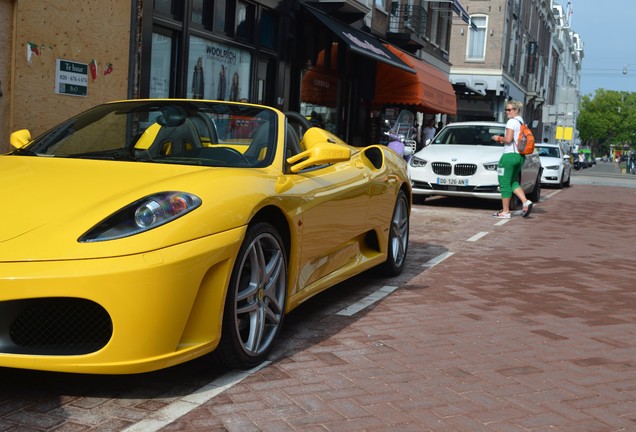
143,215
417,162
552,167
491,166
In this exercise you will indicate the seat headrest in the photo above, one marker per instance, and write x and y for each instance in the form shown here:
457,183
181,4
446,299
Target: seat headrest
172,116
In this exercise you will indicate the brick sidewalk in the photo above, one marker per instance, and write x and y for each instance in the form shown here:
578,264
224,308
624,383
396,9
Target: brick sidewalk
529,328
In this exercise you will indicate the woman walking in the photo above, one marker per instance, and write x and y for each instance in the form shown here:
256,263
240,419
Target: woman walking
511,162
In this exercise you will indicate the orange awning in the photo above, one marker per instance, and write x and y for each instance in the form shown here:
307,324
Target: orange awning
428,89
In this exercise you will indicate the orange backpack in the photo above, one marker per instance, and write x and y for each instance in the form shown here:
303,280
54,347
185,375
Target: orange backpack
525,143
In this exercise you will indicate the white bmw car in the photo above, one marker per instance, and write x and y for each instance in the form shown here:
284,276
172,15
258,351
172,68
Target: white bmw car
557,167
461,160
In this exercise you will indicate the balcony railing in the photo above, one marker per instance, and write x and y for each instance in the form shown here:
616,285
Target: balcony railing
408,19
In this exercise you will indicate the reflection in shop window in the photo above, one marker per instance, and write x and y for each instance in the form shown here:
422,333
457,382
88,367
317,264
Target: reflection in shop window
267,29
245,21
197,12
169,8
202,13
219,15
217,71
160,66
319,96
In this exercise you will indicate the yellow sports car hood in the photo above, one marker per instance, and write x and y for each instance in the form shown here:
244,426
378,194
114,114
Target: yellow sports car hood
49,203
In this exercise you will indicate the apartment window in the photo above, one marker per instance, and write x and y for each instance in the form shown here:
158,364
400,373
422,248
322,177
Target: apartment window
476,49
379,4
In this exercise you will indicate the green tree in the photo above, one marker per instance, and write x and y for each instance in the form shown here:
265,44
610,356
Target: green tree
607,118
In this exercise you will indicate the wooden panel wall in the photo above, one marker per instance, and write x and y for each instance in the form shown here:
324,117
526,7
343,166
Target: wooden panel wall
68,30
6,31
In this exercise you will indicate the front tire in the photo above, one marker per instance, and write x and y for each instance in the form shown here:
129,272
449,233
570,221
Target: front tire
398,237
255,301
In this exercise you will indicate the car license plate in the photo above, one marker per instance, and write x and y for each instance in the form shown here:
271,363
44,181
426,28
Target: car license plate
452,181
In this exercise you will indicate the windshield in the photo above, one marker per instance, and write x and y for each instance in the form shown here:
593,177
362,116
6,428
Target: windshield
469,135
548,151
181,132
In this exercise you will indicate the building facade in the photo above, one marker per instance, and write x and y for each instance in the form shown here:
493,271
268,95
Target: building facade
516,49
39,39
342,61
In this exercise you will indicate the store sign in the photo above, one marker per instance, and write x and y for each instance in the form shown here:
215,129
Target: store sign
71,78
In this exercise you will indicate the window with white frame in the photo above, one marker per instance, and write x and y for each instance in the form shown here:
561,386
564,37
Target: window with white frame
476,49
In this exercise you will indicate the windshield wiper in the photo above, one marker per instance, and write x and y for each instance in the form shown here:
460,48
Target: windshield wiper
107,155
24,152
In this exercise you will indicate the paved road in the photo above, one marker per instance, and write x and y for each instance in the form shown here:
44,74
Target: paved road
518,325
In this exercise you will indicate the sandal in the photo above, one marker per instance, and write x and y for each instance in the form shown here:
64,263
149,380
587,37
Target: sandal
527,208
501,215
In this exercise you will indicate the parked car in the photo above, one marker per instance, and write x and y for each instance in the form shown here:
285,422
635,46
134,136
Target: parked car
144,233
557,167
461,160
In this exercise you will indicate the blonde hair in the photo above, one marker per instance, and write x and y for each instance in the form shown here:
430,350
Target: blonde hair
516,105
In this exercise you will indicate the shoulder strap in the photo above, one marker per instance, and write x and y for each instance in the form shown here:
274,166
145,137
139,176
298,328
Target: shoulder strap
516,138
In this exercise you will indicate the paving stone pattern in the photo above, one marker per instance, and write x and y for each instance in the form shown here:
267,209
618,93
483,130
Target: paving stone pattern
530,328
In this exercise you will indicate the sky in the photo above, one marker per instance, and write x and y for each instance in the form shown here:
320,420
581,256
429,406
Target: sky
606,28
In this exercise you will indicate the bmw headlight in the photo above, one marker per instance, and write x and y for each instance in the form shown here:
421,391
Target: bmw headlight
417,162
143,215
491,166
552,167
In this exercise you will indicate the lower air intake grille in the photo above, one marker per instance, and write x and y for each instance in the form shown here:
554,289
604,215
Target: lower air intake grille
64,326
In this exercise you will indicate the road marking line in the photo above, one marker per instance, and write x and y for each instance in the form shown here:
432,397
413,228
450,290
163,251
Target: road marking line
438,259
184,405
477,236
552,194
367,301
501,222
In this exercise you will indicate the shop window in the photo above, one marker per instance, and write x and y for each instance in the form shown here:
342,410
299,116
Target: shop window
267,29
217,71
160,68
319,95
245,21
170,8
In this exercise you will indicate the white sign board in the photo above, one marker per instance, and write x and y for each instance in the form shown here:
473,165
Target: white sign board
71,78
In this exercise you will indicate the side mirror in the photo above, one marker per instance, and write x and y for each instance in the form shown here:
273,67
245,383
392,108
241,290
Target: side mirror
319,154
19,139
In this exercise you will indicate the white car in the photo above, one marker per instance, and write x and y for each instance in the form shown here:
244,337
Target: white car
461,160
557,167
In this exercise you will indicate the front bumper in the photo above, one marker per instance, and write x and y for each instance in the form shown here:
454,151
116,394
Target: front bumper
482,191
127,314
550,177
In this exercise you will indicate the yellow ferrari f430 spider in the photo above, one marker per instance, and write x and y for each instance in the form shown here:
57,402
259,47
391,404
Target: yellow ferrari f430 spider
141,234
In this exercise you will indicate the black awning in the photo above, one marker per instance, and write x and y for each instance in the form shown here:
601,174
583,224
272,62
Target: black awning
360,42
